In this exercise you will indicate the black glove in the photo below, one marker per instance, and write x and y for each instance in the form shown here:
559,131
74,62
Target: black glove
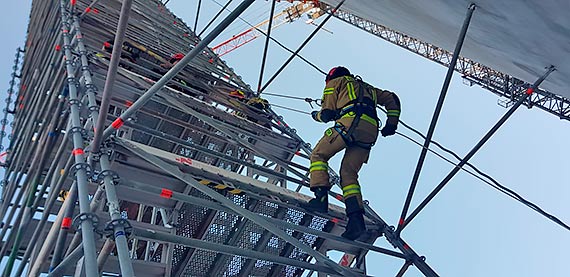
314,115
389,130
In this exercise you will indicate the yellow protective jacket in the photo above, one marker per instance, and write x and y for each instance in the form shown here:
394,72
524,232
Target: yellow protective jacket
342,91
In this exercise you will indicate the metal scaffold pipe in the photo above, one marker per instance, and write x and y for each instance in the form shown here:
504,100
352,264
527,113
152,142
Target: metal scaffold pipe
68,261
435,116
86,219
478,146
177,68
30,99
52,137
25,144
111,73
266,47
255,218
300,47
54,231
117,223
64,227
76,241
31,184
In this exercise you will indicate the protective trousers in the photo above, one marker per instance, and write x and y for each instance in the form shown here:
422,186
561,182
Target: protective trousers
354,157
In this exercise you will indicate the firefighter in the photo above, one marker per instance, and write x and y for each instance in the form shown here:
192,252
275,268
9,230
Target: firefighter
130,52
256,105
351,104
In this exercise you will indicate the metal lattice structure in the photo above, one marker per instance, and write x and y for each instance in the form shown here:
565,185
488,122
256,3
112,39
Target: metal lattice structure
186,180
508,87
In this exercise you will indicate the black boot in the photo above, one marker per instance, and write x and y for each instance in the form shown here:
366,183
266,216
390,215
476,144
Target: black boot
355,227
321,201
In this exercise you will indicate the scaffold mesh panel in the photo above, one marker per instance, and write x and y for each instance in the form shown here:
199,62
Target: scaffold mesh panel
317,223
162,144
147,120
219,231
249,237
139,136
190,219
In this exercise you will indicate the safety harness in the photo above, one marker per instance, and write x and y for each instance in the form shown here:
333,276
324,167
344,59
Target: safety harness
359,107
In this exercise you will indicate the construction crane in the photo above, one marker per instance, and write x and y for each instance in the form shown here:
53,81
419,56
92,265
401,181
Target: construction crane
286,16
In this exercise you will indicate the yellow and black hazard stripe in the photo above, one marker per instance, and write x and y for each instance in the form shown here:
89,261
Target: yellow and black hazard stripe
221,187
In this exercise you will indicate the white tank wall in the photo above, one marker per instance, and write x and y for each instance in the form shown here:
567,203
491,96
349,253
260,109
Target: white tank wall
516,37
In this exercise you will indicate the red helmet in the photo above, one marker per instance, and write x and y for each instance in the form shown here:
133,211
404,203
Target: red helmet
177,56
336,72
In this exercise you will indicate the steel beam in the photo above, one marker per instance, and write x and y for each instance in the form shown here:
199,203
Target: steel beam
86,219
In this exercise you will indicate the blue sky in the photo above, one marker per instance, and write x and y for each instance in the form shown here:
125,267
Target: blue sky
469,229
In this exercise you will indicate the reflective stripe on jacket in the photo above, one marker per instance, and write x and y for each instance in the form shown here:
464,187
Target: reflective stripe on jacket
339,92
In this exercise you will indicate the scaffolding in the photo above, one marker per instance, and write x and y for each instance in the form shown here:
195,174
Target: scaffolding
125,161
121,162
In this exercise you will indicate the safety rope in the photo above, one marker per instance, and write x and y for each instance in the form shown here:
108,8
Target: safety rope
491,181
317,102
290,109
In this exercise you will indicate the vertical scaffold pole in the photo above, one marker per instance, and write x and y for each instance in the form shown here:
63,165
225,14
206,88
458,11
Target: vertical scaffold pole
53,132
32,182
117,224
86,219
435,116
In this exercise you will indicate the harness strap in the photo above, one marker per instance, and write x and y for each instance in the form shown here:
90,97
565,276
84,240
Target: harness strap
349,139
356,107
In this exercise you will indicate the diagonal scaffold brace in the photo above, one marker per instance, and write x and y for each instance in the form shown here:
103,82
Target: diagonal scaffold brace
478,146
435,116
260,220
176,68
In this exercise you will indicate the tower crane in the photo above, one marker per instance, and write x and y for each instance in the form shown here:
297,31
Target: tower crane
286,16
